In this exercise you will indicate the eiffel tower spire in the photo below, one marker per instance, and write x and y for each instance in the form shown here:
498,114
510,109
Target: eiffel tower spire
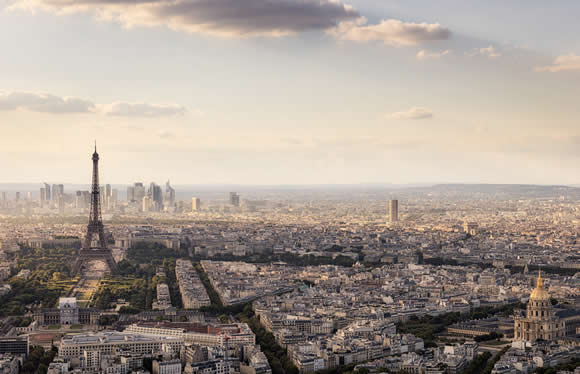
95,227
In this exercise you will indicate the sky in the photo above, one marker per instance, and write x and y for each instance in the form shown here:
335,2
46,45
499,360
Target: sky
290,91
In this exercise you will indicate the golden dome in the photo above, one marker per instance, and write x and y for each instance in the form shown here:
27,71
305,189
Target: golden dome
540,293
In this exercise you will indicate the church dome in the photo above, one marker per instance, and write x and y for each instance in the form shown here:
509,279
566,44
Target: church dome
539,293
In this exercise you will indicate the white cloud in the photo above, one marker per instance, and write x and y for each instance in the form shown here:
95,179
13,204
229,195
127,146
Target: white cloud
123,109
43,102
229,18
391,32
569,62
415,113
165,134
426,55
48,103
489,52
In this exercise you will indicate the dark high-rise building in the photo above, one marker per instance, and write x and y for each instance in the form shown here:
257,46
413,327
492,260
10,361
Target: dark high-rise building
47,192
393,210
42,196
82,199
131,193
156,195
139,192
234,199
169,194
108,195
57,190
17,345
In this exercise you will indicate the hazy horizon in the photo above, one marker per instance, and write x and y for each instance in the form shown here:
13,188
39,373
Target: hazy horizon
291,92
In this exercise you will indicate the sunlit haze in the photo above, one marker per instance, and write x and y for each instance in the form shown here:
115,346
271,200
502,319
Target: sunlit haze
291,92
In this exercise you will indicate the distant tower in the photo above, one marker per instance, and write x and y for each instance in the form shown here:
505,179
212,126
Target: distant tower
195,204
156,196
169,194
47,191
234,199
108,194
42,196
95,228
60,203
393,210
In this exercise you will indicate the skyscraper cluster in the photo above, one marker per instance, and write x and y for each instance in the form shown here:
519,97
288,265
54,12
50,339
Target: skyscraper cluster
152,199
109,197
51,196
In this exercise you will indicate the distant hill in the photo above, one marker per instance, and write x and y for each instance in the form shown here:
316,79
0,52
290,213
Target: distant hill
508,190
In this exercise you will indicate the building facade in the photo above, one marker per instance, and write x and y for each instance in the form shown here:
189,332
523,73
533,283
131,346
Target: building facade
540,321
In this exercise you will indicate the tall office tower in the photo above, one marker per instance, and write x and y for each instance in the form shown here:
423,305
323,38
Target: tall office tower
60,202
79,200
147,204
130,193
139,192
42,196
114,198
47,191
86,199
82,199
393,210
108,192
234,199
95,229
102,196
17,196
169,194
156,195
195,204
57,190
3,196
29,196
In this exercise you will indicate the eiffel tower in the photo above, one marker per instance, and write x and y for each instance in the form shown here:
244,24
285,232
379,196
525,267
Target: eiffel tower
95,229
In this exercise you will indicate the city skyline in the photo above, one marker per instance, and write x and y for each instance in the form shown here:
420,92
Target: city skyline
289,187
340,92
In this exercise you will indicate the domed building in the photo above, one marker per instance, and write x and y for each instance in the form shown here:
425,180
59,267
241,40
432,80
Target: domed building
540,321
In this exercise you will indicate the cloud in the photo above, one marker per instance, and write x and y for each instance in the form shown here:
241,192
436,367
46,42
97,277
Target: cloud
413,113
165,134
48,103
391,32
123,109
489,52
44,103
229,18
569,62
426,55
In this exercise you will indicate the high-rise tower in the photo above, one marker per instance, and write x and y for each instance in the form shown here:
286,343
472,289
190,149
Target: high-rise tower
393,210
95,228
